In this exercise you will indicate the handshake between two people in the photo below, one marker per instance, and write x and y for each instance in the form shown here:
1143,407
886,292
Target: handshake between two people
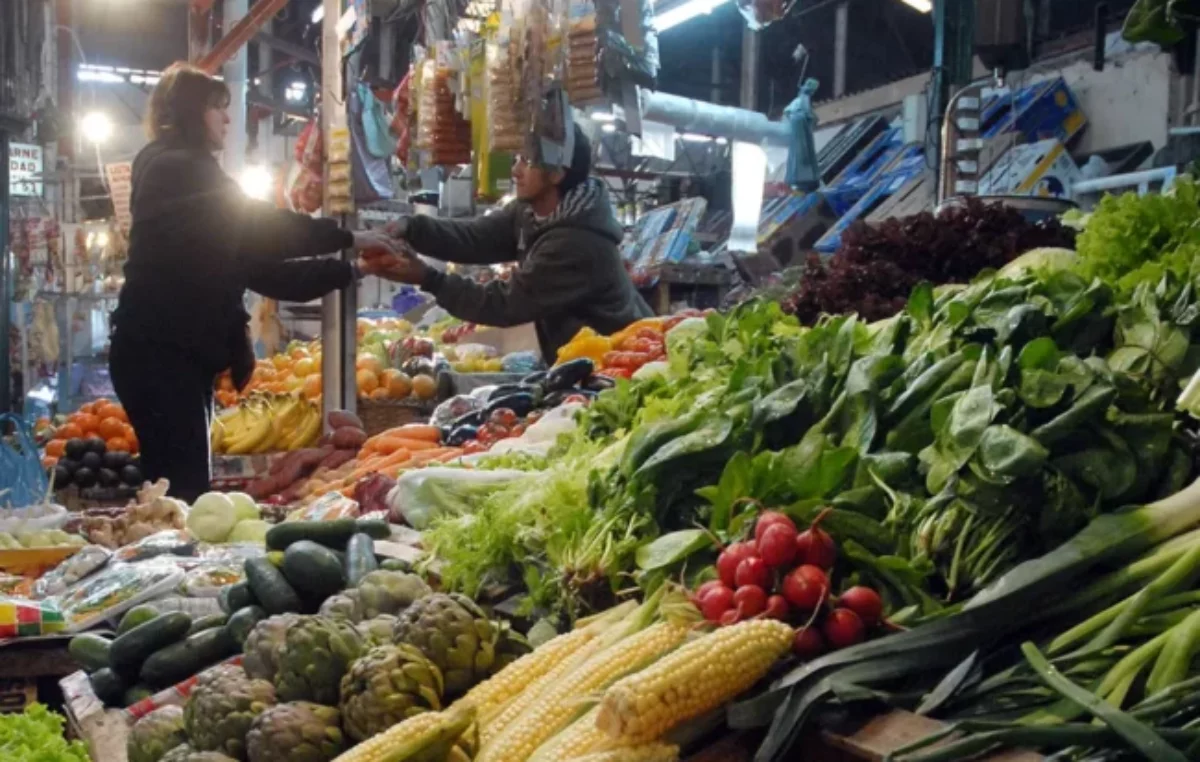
386,255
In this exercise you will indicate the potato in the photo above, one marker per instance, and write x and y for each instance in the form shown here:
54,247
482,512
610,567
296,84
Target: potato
348,438
340,419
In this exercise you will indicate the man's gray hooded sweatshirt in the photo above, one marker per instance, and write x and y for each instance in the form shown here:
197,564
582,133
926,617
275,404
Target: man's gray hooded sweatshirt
569,275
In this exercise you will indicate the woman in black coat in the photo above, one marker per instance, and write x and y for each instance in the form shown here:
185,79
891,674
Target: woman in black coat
197,243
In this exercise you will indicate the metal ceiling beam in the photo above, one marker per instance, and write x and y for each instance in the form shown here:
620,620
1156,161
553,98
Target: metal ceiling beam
298,52
241,33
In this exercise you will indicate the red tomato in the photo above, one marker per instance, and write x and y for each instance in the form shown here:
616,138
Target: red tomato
649,333
533,418
576,399
473,446
642,345
610,359
613,372
503,417
517,430
636,360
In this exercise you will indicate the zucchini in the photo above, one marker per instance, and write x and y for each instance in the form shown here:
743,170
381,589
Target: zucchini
181,660
313,570
332,534
90,651
360,558
271,588
236,597
207,623
128,651
136,616
242,622
108,686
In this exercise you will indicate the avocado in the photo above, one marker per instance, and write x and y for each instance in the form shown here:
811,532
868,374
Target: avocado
117,460
85,477
62,477
108,477
96,445
75,448
132,476
92,460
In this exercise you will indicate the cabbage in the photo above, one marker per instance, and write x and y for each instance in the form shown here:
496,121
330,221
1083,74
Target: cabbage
1048,259
245,505
652,369
212,517
250,530
680,340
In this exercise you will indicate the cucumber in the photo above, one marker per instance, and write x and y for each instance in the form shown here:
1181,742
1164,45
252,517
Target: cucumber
271,588
360,558
332,534
235,597
313,570
242,622
108,686
207,623
136,616
128,651
136,694
90,651
180,661
276,558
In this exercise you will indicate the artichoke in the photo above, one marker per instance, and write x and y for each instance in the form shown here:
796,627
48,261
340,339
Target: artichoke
155,734
262,646
454,634
510,646
388,592
345,605
378,631
185,753
387,686
296,732
222,707
316,652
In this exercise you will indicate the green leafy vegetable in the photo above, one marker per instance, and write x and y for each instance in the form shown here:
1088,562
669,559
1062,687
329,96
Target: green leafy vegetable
36,735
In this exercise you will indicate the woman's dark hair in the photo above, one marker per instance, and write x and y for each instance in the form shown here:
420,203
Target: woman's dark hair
179,101
581,163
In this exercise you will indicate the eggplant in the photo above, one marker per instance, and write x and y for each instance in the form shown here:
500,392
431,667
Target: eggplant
505,390
521,403
537,377
599,383
474,418
461,435
570,374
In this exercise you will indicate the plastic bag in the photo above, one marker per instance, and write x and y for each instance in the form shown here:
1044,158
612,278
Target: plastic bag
35,518
23,481
424,494
22,618
454,408
441,130
113,590
521,362
371,178
174,542
87,561
327,508
206,579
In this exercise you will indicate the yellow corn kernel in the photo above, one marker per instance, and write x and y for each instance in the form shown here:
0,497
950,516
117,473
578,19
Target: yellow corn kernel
650,752
577,739
556,705
695,679
415,734
493,693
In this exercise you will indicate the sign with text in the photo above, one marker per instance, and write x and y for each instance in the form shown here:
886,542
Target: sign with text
25,165
120,187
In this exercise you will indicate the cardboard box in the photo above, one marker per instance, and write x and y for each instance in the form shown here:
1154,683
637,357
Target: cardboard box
1043,169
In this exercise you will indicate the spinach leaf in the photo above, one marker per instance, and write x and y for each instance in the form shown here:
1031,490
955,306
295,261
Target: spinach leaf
671,548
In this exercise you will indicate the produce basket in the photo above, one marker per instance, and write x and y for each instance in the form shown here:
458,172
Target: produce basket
21,560
380,415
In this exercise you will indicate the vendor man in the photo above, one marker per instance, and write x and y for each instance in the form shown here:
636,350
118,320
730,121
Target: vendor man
561,232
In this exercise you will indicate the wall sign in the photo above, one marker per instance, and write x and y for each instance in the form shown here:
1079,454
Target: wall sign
25,169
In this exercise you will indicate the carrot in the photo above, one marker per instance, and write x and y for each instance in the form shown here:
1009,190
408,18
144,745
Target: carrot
426,456
378,464
422,431
389,444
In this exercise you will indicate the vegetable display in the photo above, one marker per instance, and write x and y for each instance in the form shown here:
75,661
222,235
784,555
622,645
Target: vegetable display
36,735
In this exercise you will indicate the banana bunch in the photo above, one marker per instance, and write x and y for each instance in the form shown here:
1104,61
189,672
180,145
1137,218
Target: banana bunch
266,422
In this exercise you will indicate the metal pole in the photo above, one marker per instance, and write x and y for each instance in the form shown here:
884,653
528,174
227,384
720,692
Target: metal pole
5,279
750,67
339,340
841,24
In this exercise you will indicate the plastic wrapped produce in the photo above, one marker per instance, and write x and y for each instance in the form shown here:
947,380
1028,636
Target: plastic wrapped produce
56,581
441,131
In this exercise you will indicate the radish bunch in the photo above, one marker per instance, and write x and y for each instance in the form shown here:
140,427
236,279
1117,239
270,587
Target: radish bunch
783,573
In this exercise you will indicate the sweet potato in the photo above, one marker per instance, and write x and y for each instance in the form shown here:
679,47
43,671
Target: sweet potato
336,459
340,418
348,438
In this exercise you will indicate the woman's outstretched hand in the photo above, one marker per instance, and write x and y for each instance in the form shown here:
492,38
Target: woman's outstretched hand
369,243
400,267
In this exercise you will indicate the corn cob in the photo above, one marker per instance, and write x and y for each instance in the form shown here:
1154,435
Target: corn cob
494,692
651,752
699,677
426,736
555,707
579,738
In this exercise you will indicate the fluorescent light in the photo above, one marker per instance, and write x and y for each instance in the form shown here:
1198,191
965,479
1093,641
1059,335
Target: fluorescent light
692,137
256,182
318,14
602,116
609,127
924,6
100,76
722,141
686,11
97,127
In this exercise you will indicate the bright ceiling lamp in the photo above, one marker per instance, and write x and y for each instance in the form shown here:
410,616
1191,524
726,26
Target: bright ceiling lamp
684,11
924,6
97,127
318,14
256,182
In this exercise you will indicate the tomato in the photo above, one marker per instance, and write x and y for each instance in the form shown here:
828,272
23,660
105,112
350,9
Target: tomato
533,418
575,399
517,430
493,430
642,345
635,360
503,417
613,372
610,358
649,333
474,446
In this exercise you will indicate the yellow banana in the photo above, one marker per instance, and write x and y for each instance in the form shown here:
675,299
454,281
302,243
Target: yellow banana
306,430
257,430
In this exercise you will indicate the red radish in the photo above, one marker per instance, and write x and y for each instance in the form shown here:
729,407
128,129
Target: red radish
814,575
802,592
815,546
777,546
727,562
730,617
865,602
716,602
705,589
777,608
808,643
768,519
752,571
750,601
843,628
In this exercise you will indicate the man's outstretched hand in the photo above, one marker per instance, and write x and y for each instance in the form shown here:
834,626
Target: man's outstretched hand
400,267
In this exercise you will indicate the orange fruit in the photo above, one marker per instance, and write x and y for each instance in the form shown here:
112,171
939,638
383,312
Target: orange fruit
87,408
87,423
312,386
379,394
55,448
69,431
398,384
304,367
367,382
369,362
117,444
424,386
110,427
134,447
49,462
